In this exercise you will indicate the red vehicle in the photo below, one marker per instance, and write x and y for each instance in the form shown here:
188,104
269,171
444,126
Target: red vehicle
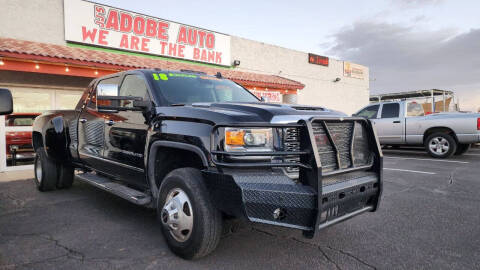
19,143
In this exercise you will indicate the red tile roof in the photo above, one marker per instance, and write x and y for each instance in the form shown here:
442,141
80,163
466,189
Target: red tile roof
95,58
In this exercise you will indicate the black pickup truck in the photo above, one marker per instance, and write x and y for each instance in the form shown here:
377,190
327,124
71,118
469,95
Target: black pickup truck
200,149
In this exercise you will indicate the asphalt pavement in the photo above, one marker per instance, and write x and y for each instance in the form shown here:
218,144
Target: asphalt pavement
429,219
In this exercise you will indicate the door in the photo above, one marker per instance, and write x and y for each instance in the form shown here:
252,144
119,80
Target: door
126,133
91,127
390,125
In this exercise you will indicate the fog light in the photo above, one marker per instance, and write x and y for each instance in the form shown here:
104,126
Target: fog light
278,214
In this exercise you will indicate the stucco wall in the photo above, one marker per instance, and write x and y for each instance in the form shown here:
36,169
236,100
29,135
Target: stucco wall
347,95
33,20
42,21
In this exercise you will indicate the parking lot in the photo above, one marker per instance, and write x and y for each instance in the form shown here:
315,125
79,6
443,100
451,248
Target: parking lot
429,219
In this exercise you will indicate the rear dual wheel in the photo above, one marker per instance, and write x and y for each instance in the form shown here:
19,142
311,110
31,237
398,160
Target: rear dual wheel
50,174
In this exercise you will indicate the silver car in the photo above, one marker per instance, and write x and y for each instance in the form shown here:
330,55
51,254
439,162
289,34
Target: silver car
405,123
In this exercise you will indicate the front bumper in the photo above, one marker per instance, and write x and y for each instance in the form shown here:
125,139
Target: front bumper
21,156
273,198
332,186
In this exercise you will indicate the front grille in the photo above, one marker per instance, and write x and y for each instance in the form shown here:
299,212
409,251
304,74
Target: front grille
341,144
23,147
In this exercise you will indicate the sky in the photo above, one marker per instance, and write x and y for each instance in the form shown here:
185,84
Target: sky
407,44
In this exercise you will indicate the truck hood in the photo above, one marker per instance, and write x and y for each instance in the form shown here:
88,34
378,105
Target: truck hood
246,112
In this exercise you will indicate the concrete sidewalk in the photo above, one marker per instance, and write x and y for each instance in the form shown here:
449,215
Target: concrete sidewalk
16,175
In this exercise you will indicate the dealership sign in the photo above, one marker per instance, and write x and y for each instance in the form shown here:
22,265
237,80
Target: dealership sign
353,70
105,26
269,96
317,59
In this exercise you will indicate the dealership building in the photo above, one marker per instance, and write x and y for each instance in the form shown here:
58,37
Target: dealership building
51,50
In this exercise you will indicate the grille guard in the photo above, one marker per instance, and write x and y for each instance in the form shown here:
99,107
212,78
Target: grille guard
310,163
307,147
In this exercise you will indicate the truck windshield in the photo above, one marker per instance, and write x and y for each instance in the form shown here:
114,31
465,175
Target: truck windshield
182,88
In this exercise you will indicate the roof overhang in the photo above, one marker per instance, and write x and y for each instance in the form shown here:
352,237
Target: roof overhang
28,56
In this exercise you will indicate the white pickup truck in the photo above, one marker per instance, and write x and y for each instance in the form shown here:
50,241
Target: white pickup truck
405,123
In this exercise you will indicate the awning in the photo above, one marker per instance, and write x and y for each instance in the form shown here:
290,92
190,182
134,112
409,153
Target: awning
78,59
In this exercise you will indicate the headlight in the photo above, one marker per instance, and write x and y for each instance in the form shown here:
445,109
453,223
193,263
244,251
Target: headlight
248,139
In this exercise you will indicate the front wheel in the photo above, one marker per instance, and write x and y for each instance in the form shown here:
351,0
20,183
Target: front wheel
191,224
440,145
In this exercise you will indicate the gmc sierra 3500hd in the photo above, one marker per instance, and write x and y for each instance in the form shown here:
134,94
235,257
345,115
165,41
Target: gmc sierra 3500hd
201,148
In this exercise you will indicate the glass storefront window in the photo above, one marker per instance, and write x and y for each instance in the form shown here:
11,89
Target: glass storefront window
32,100
28,103
67,100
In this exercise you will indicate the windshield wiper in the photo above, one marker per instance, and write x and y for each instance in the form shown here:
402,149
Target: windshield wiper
178,104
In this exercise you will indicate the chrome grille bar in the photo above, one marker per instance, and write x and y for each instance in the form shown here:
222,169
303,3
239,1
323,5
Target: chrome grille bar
332,142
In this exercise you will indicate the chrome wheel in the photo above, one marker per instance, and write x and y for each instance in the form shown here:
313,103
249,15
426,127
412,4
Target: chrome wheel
439,145
177,215
38,170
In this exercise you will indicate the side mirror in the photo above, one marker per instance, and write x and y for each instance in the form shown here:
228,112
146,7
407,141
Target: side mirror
112,103
6,101
262,99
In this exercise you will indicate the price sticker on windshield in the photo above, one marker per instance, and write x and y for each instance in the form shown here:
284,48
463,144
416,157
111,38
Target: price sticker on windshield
160,76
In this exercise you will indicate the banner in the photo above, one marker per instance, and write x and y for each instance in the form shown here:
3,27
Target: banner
105,26
269,96
353,70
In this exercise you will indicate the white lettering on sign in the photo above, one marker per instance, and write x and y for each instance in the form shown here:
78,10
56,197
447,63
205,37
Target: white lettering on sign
100,25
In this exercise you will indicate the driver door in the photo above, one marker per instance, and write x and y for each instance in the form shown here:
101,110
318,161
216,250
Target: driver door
390,125
126,134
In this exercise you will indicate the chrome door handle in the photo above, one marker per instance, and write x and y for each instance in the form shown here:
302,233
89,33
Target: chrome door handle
83,120
110,122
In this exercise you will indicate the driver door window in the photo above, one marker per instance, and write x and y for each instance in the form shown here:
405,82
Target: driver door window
370,112
135,86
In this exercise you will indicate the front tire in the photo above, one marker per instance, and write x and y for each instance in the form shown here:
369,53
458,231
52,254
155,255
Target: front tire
440,145
191,224
462,149
46,173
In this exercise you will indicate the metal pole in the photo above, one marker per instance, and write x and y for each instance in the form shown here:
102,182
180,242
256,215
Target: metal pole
3,153
443,101
433,102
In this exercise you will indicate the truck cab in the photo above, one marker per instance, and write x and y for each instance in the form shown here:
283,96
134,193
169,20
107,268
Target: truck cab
388,119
